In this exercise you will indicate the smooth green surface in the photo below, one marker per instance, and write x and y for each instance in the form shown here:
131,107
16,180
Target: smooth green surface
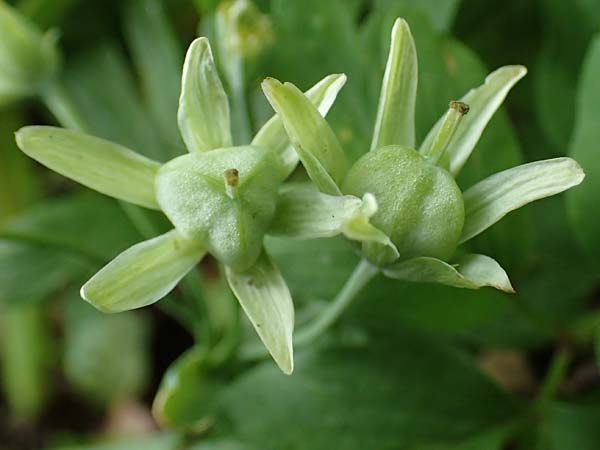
395,122
108,168
313,139
203,114
582,202
491,199
363,398
469,271
272,134
266,300
142,274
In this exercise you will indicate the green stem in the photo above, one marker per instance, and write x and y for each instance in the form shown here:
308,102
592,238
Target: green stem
554,377
363,273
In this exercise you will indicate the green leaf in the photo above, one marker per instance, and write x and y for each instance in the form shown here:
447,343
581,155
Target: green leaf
156,441
266,300
185,397
27,57
305,213
26,353
583,201
302,265
395,123
272,135
491,199
571,425
470,272
101,94
410,391
203,106
67,223
142,274
50,270
310,135
483,103
440,14
90,362
158,59
101,165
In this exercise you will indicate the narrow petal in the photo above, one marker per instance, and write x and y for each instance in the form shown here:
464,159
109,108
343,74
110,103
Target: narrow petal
273,136
266,300
491,199
102,165
203,106
142,274
395,123
483,103
470,272
310,135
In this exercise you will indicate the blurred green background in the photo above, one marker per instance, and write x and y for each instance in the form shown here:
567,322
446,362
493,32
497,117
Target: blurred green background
414,367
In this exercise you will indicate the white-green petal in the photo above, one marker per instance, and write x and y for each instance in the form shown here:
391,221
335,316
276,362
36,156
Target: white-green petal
471,271
305,213
395,123
483,102
142,274
203,114
272,135
99,164
491,199
310,135
266,300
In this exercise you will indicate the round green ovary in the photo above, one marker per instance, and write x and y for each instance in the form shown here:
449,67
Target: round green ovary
420,205
192,191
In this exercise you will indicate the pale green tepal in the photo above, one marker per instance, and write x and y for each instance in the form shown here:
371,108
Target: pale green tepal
220,198
422,216
29,58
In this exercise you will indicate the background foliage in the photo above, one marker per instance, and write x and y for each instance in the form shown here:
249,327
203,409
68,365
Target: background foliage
415,367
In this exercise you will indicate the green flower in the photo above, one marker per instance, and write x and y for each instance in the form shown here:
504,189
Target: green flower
28,57
418,214
220,198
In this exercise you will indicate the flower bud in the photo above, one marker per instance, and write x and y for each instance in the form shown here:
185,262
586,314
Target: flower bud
420,205
224,198
28,58
243,30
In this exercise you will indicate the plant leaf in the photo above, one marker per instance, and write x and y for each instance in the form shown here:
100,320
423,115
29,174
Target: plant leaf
310,135
102,165
582,202
491,199
483,102
272,135
471,272
395,123
266,300
151,39
203,106
142,274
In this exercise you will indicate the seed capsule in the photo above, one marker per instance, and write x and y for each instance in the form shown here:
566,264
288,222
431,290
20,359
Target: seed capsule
420,205
225,198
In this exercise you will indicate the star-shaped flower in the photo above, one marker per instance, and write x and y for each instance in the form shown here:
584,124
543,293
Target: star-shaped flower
419,215
220,198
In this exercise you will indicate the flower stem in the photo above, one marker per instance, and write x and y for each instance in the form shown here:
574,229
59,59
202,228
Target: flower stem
554,377
363,273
